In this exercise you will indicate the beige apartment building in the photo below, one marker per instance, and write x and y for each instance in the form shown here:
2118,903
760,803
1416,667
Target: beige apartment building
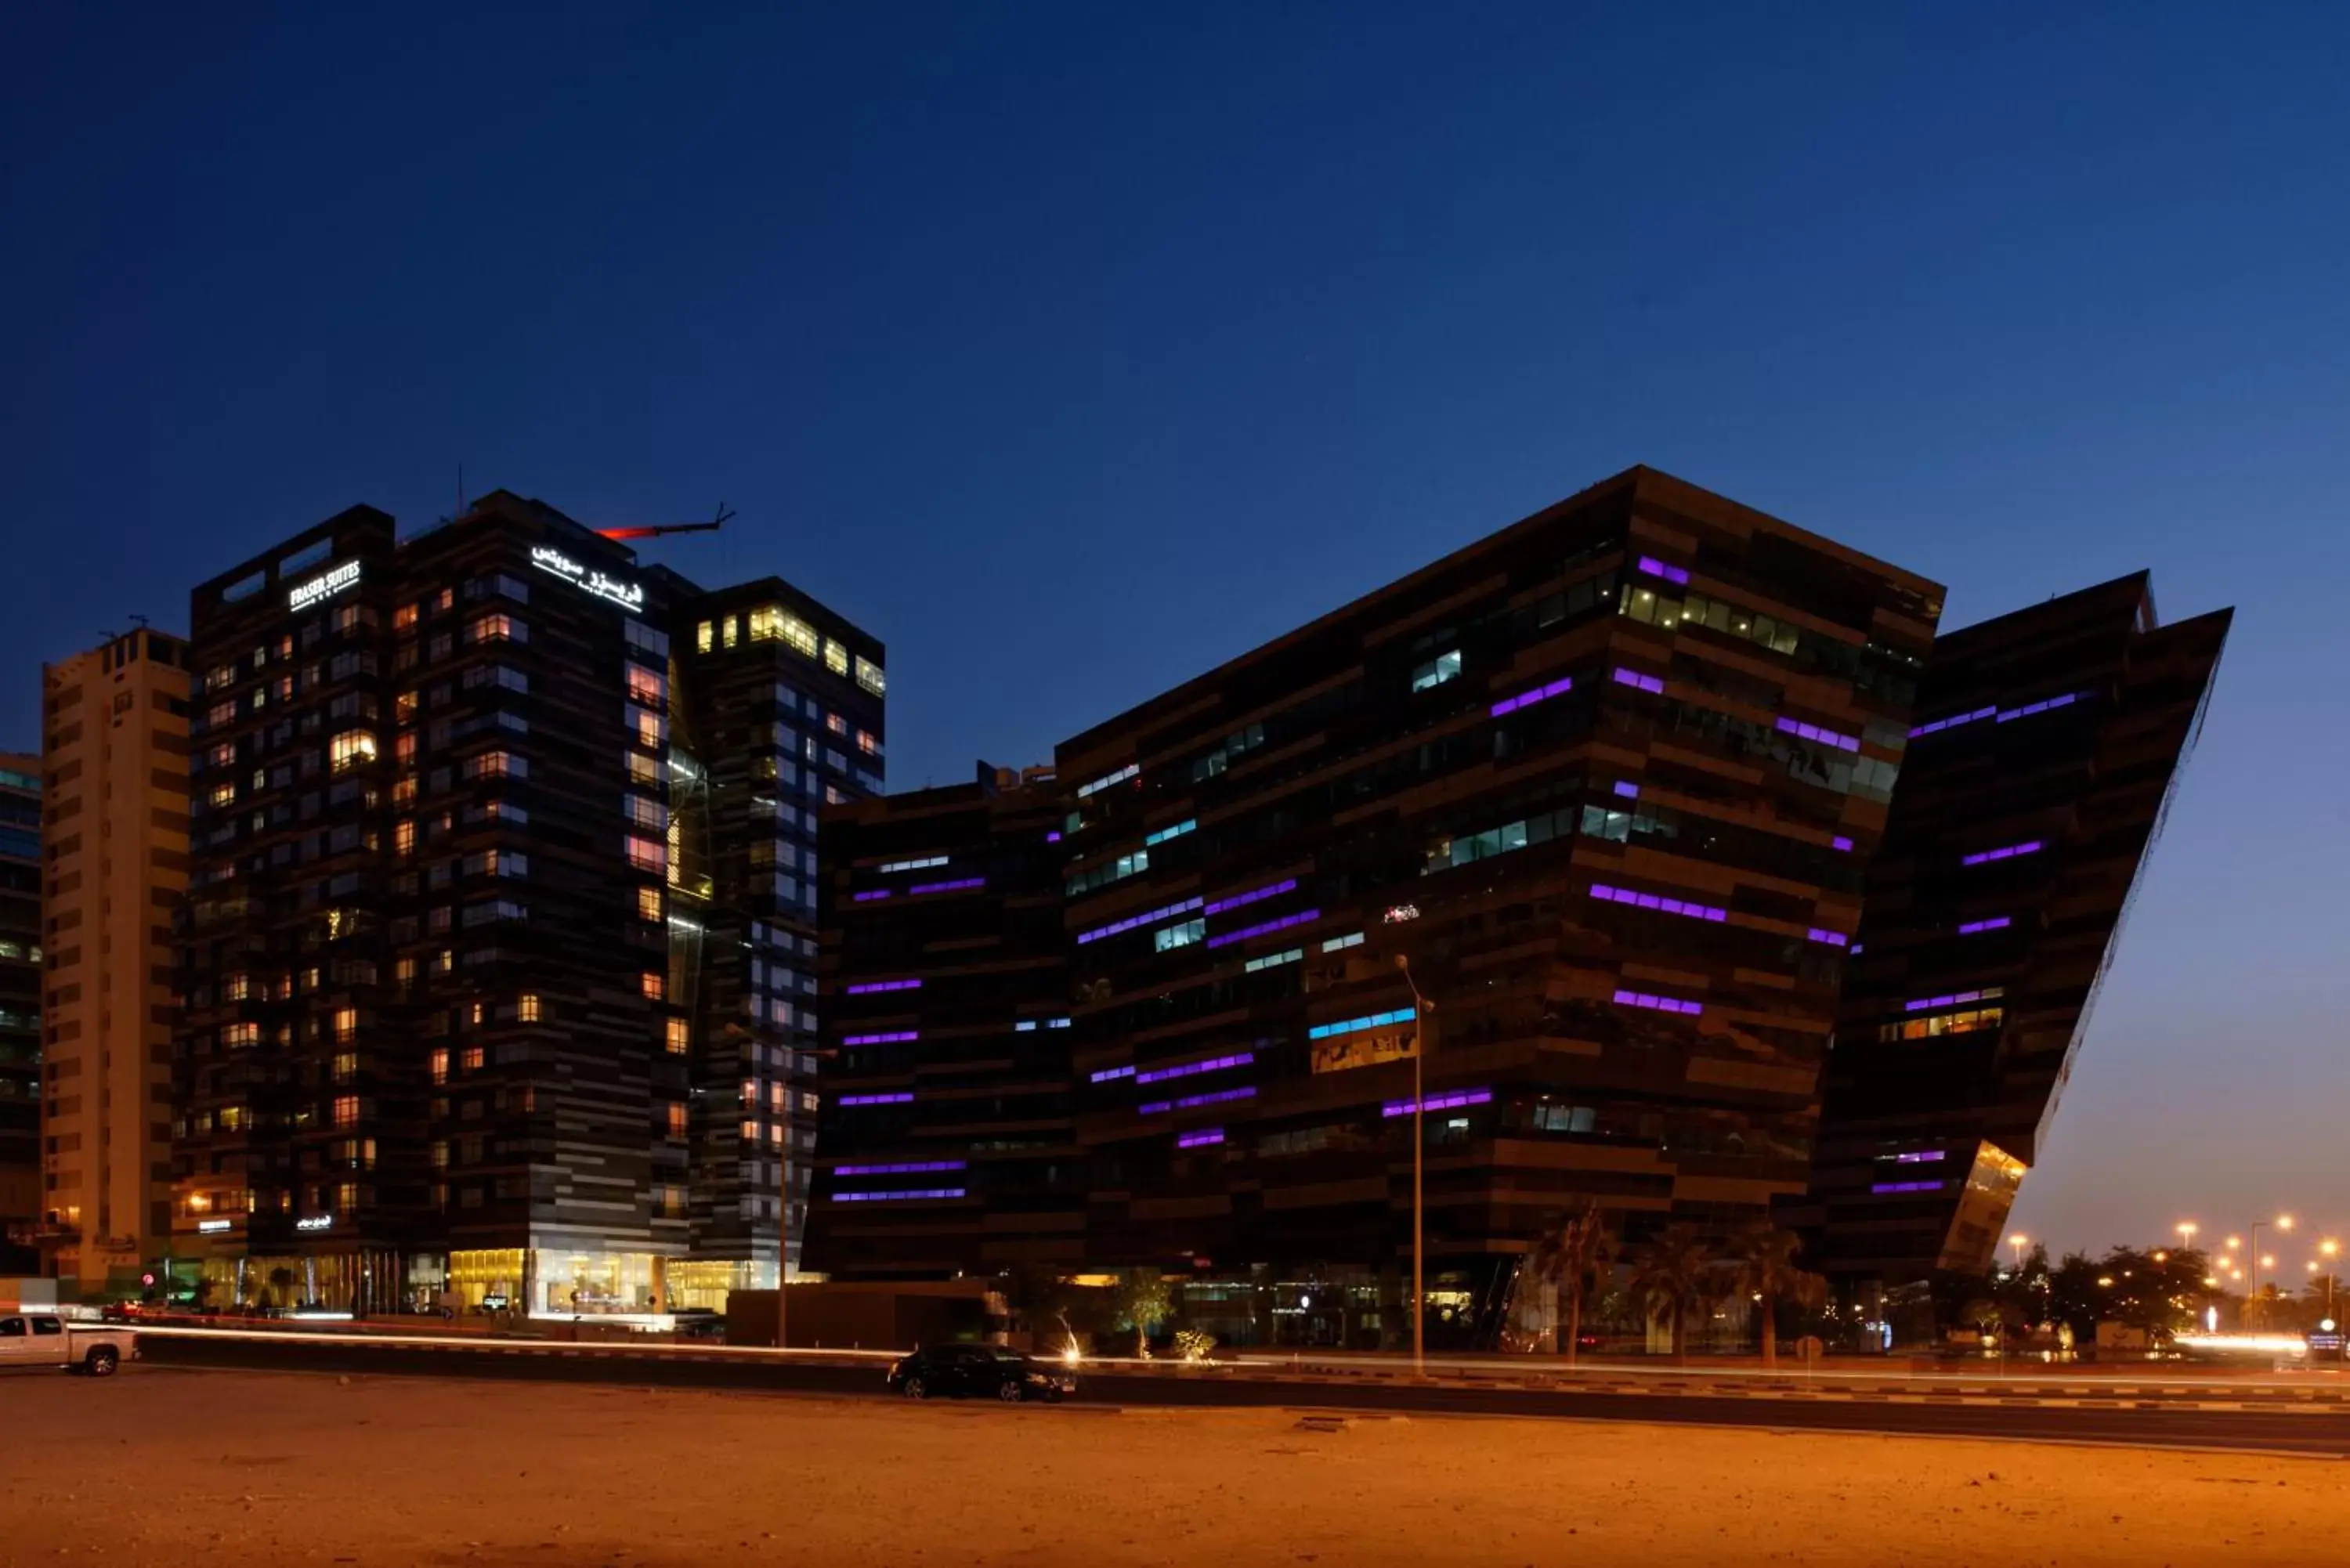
115,763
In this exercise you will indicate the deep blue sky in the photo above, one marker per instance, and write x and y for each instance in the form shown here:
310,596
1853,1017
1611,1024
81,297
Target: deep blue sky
1074,350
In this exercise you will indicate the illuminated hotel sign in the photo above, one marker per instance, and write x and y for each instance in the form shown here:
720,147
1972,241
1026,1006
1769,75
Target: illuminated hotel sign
628,595
315,1222
325,585
213,1227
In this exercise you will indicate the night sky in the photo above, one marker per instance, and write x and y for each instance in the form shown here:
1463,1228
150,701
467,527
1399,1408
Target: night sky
1072,351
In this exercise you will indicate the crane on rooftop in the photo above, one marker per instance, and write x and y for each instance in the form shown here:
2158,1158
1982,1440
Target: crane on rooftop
655,530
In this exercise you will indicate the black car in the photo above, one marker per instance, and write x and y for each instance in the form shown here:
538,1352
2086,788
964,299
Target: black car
976,1371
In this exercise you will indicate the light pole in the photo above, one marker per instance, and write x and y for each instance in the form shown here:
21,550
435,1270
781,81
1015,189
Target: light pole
2282,1222
2187,1229
2330,1250
1419,1010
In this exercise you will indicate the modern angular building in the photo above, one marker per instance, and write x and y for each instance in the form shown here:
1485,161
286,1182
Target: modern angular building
953,1037
21,1205
495,984
1605,792
2046,748
1607,780
115,759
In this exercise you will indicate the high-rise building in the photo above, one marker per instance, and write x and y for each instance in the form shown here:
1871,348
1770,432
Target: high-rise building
1578,823
950,1007
116,765
2047,745
1606,780
460,1016
20,1011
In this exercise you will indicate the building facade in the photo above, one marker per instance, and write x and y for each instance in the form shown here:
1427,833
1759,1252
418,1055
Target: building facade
447,954
116,765
947,997
21,1206
2047,746
1607,782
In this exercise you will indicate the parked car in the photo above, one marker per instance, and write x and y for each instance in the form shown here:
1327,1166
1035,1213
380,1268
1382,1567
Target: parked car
976,1371
45,1339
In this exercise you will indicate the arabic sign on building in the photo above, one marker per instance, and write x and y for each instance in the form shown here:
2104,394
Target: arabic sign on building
628,595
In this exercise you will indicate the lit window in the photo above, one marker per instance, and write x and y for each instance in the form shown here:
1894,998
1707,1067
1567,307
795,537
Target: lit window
677,1118
645,810
347,1066
654,986
769,623
347,1196
701,637
472,1060
224,795
236,987
403,618
439,1063
649,903
346,1023
526,1009
648,728
750,1091
869,675
678,1031
403,836
497,765
648,853
868,742
646,687
346,1110
835,658
1437,671
750,1132
240,1034
733,629
500,628
644,769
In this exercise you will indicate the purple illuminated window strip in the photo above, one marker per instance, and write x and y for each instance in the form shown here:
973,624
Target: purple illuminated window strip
1532,695
1302,917
1628,789
1996,923
898,1197
1909,1187
868,897
900,1099
1253,896
1682,906
1623,677
1952,1000
1822,934
1054,837
1657,568
1202,1138
910,1168
1920,1156
1660,1003
2006,852
895,1036
1952,723
1191,1069
1189,1102
959,884
1813,733
874,985
1841,845
1451,1101
2009,715
1107,1074
1134,922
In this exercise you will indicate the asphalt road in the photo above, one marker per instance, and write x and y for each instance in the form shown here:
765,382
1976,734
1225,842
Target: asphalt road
2205,1420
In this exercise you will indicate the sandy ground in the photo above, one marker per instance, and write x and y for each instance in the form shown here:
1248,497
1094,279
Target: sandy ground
194,1469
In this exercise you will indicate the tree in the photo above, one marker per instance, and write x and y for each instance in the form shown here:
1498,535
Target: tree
1763,1267
1671,1272
1572,1259
1142,1304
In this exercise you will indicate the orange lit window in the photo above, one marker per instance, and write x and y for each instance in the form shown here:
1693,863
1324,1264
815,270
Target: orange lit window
403,836
439,1060
750,1091
347,1066
346,1023
678,1032
649,903
648,853
677,1118
750,1132
655,987
346,1110
526,1010
403,618
473,1058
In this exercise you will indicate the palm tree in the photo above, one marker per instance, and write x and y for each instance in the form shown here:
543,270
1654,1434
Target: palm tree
1764,1268
1571,1260
1669,1272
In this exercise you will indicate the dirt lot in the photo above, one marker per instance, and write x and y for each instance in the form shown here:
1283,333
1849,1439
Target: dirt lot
192,1469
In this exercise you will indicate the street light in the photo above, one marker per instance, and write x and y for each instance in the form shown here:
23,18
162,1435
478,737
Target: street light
2019,1242
2282,1222
2186,1229
1420,1010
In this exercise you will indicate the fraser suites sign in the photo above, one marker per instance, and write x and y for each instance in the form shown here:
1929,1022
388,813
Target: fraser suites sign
628,595
325,585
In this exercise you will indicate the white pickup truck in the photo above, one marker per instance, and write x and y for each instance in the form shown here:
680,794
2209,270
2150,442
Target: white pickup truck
46,1339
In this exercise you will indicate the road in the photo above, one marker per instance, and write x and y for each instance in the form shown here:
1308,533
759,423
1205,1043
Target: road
2263,1417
